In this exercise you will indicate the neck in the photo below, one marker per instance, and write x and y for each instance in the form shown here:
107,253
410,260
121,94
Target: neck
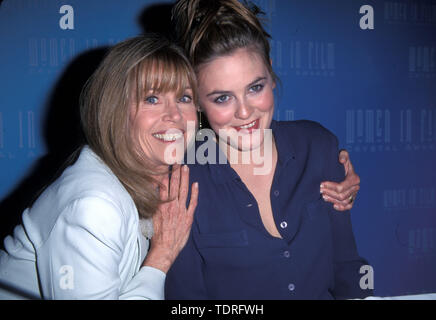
260,161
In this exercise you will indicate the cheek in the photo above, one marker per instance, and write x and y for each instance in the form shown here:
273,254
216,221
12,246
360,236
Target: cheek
266,102
219,117
142,126
190,115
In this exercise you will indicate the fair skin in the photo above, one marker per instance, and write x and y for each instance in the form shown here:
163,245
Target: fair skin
159,121
339,193
236,94
172,223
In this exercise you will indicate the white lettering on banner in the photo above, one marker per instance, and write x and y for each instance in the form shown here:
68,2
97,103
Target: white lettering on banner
67,20
420,13
311,58
30,129
393,129
422,61
366,21
409,198
422,241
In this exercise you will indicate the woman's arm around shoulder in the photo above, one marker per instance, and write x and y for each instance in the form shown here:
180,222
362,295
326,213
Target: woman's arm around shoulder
346,259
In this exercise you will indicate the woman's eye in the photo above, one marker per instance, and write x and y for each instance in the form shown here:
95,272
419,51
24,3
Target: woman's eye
222,99
256,88
151,99
186,99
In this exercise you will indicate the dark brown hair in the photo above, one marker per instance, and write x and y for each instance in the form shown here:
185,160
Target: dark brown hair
127,73
207,29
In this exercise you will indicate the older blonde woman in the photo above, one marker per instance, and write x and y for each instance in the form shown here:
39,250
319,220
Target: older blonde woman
88,234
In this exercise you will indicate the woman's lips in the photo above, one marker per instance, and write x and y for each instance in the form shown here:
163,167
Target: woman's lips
168,136
249,127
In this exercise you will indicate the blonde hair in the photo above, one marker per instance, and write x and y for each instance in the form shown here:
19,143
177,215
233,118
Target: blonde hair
207,29
130,70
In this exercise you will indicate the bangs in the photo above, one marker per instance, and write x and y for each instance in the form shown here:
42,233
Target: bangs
165,71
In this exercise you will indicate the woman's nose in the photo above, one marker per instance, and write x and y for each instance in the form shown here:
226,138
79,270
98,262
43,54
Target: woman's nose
244,110
172,112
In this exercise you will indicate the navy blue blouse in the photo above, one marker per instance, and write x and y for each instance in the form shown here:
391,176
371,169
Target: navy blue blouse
230,254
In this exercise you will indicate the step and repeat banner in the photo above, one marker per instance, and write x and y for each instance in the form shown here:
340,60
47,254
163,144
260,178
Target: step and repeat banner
364,69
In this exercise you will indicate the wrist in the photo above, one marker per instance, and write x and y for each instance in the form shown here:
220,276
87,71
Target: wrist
159,258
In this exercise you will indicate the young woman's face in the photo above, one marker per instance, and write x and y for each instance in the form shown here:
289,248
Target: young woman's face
236,94
160,124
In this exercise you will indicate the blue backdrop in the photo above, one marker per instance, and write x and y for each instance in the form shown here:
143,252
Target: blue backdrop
365,69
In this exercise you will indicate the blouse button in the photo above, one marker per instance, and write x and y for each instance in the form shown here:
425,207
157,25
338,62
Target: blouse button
276,193
286,254
283,224
291,287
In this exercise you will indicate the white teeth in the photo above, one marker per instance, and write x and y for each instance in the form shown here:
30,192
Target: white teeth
168,136
248,125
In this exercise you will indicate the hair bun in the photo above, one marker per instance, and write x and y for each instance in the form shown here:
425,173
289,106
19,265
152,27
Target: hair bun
211,28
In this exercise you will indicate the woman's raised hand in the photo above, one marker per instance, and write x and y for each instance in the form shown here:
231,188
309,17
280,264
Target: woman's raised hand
172,222
342,194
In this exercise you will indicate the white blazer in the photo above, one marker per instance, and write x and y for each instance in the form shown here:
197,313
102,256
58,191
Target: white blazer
81,239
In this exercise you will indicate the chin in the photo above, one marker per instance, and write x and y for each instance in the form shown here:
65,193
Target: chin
249,146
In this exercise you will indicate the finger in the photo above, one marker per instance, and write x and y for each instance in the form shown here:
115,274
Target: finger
346,204
342,205
350,181
344,156
175,183
334,186
345,160
163,209
189,217
163,189
339,207
340,196
350,168
193,201
157,219
184,185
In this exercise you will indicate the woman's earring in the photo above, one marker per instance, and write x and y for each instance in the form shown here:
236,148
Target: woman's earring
200,124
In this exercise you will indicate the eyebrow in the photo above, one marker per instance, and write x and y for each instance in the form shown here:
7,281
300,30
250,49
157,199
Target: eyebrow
227,92
151,91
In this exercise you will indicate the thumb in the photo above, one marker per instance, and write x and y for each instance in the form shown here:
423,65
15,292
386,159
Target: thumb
343,156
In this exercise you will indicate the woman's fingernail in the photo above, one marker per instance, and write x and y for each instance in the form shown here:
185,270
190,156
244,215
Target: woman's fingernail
321,186
336,207
185,168
325,197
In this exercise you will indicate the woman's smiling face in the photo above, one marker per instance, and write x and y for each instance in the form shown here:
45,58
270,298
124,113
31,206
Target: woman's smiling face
236,94
162,120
